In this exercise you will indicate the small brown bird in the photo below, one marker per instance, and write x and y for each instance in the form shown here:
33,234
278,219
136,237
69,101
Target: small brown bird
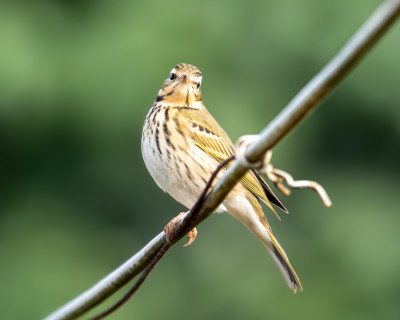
182,144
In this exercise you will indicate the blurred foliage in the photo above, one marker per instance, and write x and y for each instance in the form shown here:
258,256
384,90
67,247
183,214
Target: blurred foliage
76,81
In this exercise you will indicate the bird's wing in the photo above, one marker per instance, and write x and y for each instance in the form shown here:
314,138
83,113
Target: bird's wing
212,139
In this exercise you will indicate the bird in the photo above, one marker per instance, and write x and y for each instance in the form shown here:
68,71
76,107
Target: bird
182,144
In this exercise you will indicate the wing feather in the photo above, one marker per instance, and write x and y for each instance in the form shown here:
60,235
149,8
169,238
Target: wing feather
218,145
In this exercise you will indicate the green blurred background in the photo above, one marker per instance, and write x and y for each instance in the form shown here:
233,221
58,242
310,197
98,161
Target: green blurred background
76,81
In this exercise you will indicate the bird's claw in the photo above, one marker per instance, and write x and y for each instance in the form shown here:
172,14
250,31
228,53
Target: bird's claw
169,230
192,236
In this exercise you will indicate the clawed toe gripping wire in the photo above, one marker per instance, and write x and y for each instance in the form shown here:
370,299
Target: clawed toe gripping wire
276,176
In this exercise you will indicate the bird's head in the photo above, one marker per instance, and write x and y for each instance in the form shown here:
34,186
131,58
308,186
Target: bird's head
183,86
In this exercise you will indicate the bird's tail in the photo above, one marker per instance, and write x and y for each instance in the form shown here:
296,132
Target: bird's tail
256,222
282,261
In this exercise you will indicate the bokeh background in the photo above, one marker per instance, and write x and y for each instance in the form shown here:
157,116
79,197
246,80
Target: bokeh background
76,81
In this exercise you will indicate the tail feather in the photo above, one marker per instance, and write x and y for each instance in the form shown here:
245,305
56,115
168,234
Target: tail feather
268,192
252,216
283,263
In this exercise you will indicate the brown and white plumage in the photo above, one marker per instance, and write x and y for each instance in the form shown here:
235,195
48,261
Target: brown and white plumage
182,144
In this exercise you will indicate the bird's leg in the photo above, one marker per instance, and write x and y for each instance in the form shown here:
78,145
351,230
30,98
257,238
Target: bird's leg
170,228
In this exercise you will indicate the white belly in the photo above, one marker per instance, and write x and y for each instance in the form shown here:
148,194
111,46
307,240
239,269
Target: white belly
183,175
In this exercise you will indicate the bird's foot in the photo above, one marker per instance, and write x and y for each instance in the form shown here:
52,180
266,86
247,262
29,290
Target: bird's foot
192,236
170,228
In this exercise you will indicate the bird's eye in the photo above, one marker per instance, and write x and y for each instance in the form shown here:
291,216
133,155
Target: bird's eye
198,85
172,76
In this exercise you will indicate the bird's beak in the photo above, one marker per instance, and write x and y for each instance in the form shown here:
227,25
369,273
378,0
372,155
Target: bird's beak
184,79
